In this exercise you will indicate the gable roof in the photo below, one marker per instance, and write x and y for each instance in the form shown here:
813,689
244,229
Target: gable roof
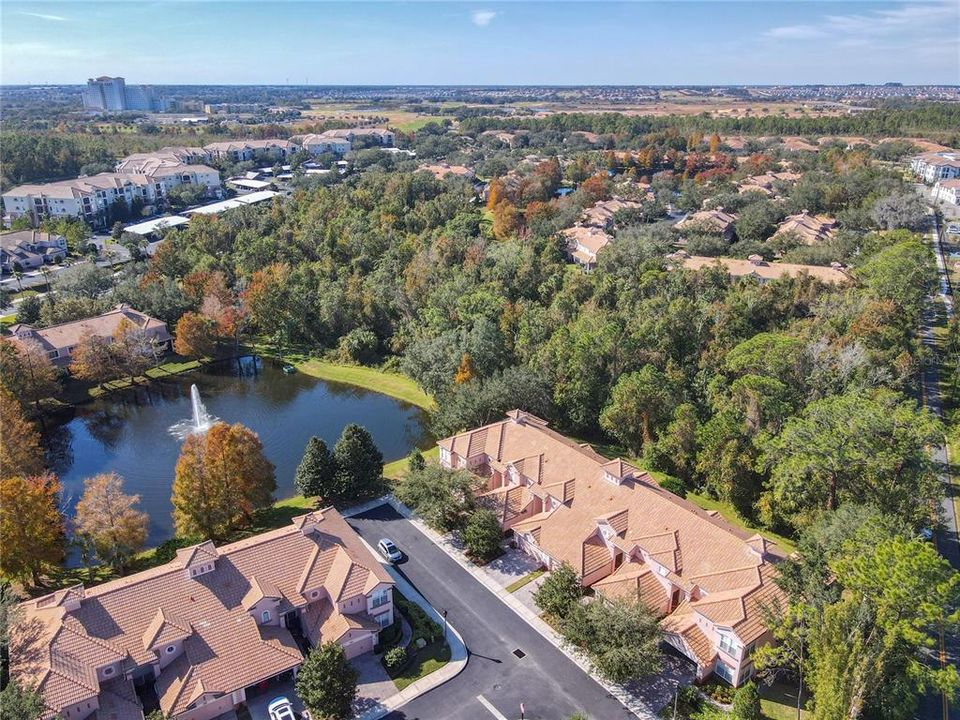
75,631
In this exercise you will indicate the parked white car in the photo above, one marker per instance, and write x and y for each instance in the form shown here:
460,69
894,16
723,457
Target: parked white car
281,709
389,550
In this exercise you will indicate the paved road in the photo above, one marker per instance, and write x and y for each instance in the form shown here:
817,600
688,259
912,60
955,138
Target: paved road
549,685
948,540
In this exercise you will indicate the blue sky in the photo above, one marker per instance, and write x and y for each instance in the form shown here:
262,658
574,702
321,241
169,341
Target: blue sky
558,43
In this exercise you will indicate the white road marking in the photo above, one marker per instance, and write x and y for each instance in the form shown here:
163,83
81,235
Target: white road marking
489,706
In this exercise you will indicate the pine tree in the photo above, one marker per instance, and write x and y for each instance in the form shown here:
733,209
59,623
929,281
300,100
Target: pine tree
316,474
359,462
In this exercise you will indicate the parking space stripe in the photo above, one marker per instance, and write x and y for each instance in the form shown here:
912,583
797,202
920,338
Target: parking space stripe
489,706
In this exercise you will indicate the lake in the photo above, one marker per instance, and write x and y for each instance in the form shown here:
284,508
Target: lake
130,435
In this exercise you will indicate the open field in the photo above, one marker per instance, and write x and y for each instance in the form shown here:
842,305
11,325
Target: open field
404,120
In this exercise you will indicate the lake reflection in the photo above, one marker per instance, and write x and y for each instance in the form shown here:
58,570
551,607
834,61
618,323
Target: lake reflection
130,436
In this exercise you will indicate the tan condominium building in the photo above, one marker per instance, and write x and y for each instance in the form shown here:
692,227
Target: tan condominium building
201,631
60,341
625,536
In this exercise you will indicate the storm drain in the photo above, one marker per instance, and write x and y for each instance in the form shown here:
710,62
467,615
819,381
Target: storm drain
519,653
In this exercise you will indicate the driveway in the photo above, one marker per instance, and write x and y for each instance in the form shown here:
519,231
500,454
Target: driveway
509,662
258,704
374,685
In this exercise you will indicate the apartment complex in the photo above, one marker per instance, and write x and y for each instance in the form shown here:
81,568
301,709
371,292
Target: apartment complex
143,181
317,144
243,150
30,249
947,191
934,166
625,535
208,627
112,94
59,341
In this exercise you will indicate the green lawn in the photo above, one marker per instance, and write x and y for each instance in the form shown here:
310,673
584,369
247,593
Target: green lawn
431,658
526,579
731,516
779,702
386,383
397,469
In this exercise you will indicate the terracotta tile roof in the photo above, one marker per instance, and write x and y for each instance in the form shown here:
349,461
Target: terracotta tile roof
811,229
634,581
164,629
715,220
761,269
65,335
665,539
224,648
596,555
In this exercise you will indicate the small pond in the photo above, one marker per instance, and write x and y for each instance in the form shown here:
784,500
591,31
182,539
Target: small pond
129,433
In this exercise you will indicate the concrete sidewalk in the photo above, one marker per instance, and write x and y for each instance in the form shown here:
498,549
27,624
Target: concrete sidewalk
636,705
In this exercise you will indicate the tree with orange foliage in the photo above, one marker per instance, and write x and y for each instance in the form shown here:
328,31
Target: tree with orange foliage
266,299
133,350
93,360
27,372
465,372
496,193
20,450
107,516
221,478
714,144
32,531
507,220
596,187
195,336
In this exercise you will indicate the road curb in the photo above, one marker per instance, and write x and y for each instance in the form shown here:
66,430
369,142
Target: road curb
625,698
458,649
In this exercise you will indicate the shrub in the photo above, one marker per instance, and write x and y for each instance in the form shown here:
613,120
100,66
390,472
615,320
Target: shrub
559,592
674,485
394,659
746,703
483,535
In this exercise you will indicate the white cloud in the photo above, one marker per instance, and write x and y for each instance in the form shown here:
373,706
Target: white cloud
907,20
43,16
482,18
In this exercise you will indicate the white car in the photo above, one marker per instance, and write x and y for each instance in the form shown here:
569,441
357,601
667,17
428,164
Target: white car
281,709
389,550
953,229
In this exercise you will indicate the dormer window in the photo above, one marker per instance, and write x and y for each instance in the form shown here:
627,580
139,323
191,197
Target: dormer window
265,616
108,671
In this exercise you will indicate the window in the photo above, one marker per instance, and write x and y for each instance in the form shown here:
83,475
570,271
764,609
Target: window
170,649
107,671
728,645
380,598
383,620
724,671
265,616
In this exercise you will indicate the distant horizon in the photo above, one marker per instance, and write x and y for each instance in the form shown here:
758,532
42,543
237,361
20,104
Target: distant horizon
696,43
132,81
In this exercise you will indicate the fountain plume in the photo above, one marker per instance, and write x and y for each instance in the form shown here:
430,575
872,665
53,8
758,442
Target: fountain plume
200,420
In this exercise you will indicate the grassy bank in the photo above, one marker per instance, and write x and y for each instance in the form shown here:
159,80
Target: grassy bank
393,384
387,383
